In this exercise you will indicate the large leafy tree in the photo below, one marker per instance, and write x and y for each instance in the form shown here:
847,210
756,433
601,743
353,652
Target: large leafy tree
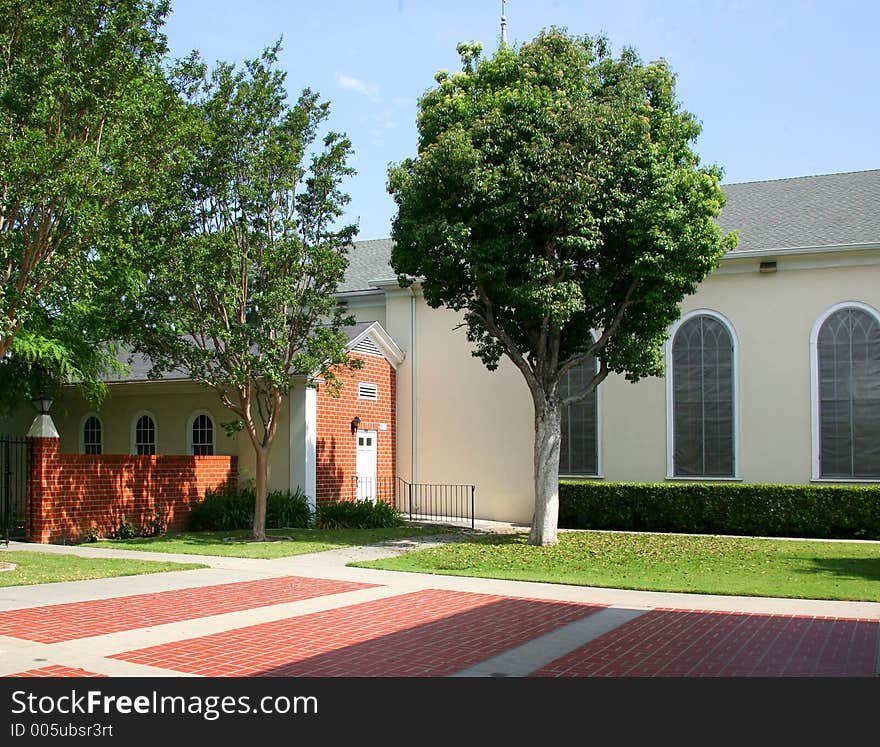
239,292
87,129
557,202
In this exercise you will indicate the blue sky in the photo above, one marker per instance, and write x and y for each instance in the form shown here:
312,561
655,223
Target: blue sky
782,88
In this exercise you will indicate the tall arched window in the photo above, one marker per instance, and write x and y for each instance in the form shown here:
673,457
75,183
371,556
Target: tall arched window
703,393
847,364
201,435
92,435
579,450
145,435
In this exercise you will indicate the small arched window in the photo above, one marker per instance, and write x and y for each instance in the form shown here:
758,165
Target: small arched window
201,435
579,447
145,436
848,367
93,435
703,398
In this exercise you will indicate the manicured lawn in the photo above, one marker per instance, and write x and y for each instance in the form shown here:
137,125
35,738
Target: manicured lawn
238,544
47,568
658,562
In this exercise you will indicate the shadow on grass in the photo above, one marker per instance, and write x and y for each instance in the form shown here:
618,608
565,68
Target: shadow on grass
865,569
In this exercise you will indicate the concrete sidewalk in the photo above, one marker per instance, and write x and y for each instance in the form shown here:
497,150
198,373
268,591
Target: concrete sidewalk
528,628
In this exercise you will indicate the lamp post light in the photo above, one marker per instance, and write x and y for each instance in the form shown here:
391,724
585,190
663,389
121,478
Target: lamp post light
42,403
42,427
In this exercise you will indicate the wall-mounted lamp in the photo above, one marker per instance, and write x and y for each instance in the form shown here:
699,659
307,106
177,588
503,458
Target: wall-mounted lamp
42,403
355,424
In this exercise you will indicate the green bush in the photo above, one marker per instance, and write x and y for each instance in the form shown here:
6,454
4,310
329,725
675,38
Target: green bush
124,530
841,512
233,508
357,515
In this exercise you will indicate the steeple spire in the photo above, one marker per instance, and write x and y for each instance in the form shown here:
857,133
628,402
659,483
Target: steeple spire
503,24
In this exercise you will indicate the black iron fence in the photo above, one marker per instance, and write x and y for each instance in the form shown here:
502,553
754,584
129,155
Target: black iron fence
419,501
15,454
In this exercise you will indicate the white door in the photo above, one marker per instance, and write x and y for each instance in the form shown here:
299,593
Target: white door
366,466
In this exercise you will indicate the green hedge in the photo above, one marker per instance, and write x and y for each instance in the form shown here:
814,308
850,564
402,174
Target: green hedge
843,512
234,509
357,515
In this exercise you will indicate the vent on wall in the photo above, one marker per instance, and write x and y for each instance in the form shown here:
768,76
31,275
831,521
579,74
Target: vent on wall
368,391
367,347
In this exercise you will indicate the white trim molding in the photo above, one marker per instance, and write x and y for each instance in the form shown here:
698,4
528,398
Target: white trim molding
670,392
134,421
393,354
815,468
82,429
311,445
189,429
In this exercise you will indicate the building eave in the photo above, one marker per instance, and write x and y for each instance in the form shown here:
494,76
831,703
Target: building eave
796,250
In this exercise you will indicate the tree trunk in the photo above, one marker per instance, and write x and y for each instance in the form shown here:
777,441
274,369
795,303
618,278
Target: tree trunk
548,416
259,530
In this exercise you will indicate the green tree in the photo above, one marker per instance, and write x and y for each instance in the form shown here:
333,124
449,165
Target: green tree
87,129
240,293
556,202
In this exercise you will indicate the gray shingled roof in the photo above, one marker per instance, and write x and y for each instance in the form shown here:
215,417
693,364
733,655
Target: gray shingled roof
807,211
139,365
367,260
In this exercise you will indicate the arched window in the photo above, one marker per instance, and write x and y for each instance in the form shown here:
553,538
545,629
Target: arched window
579,449
847,365
701,381
145,435
92,435
201,435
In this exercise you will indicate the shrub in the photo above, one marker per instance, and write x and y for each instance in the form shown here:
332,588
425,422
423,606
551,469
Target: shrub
842,512
233,508
124,530
288,510
357,515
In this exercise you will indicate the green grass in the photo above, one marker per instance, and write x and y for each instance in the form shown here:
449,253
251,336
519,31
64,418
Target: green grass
301,541
662,562
48,568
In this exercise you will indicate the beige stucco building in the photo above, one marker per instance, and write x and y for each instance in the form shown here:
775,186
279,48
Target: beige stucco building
773,372
808,256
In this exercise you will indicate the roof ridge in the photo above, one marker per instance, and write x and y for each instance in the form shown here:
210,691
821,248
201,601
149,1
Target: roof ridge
804,176
371,241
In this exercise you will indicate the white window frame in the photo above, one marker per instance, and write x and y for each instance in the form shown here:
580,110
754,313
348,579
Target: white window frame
82,429
670,399
189,430
134,421
814,387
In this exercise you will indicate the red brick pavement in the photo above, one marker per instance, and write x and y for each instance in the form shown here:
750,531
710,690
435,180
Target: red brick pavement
66,622
55,670
424,633
670,643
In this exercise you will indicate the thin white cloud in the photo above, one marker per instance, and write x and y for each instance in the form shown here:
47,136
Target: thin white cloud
351,83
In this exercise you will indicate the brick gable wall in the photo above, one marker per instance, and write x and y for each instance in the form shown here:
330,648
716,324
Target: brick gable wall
336,443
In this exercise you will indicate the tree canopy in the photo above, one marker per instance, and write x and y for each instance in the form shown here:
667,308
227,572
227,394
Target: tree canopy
239,290
87,129
557,202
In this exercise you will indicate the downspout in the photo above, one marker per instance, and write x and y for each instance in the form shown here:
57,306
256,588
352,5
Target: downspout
413,383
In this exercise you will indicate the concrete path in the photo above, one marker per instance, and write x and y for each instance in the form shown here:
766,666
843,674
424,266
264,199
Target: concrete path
311,615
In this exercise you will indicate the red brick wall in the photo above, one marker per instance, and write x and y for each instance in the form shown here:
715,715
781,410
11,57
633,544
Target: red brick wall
71,493
337,445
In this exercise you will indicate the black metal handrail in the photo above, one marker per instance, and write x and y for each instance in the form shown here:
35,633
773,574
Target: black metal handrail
429,501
